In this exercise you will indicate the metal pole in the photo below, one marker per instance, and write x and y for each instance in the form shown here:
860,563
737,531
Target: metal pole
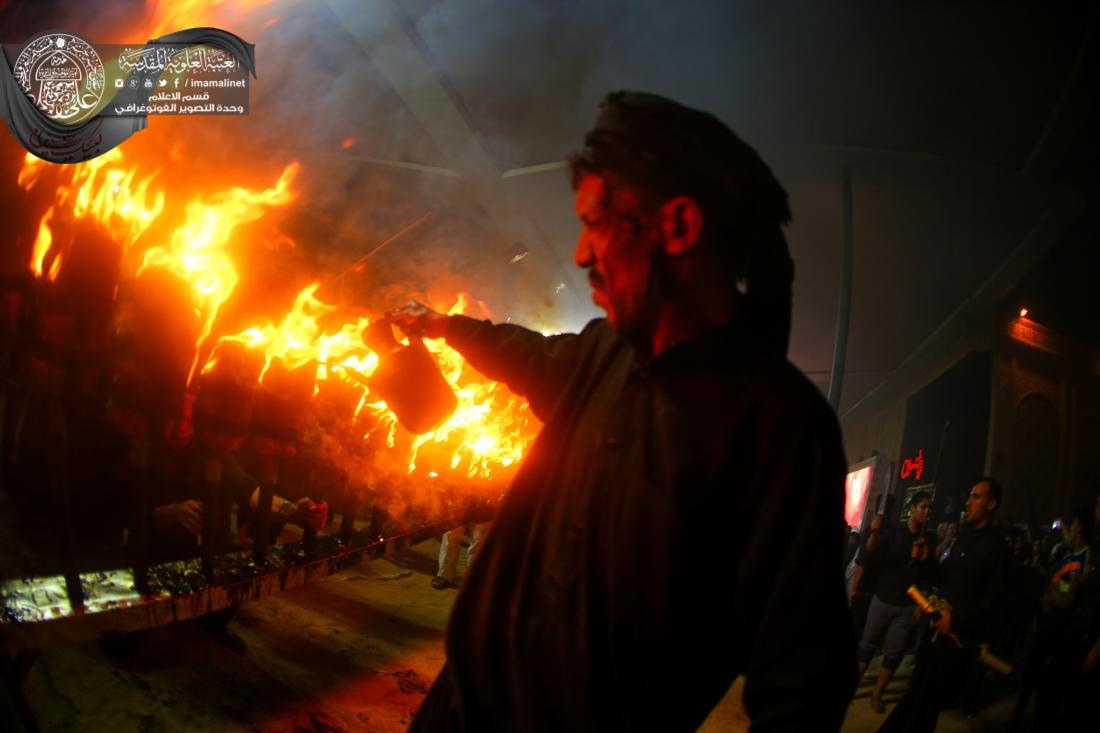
269,477
139,498
840,346
348,511
60,433
211,514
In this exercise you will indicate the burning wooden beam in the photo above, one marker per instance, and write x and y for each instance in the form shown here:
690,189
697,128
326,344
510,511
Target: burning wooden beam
278,419
222,413
154,326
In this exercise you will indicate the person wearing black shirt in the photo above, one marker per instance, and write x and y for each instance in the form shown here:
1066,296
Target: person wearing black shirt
674,524
971,580
902,556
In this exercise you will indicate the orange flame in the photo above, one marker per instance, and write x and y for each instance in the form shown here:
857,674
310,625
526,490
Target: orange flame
42,244
176,15
99,189
298,339
488,431
197,253
112,196
30,172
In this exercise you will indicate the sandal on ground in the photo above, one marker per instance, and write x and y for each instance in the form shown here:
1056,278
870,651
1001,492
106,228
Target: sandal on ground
440,583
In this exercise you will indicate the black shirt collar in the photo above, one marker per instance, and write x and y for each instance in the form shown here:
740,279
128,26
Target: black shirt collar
728,341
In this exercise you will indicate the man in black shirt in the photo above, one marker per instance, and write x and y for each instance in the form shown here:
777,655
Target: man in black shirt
902,556
971,580
674,525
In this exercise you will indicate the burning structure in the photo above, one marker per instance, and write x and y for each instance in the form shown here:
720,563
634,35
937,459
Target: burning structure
123,334
162,374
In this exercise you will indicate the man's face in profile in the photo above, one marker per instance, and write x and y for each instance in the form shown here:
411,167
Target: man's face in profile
920,511
620,247
979,505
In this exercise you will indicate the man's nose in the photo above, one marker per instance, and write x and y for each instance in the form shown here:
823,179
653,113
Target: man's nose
582,253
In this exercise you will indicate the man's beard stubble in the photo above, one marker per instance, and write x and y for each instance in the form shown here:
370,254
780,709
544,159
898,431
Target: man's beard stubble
639,325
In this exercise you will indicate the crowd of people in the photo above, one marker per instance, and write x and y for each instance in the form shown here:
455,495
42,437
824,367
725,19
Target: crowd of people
1021,595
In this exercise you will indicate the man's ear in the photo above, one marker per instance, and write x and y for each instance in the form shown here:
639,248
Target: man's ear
681,224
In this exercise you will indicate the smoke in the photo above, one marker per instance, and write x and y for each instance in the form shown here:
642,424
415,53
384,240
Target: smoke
522,81
370,165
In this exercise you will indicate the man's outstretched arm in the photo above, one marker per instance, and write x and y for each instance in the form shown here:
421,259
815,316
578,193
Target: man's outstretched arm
534,366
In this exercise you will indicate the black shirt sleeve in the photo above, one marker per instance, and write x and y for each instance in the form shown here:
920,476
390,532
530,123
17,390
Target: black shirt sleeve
534,366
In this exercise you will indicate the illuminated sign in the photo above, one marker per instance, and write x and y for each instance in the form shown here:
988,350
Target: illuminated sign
1031,333
856,487
913,466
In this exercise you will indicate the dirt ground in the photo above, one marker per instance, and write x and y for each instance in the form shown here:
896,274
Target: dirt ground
355,651
352,653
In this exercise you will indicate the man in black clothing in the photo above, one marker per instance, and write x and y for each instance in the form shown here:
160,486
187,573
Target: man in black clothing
902,556
971,579
674,525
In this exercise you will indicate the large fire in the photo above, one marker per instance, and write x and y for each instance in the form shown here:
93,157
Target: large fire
199,238
484,438
99,189
198,251
489,430
104,190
